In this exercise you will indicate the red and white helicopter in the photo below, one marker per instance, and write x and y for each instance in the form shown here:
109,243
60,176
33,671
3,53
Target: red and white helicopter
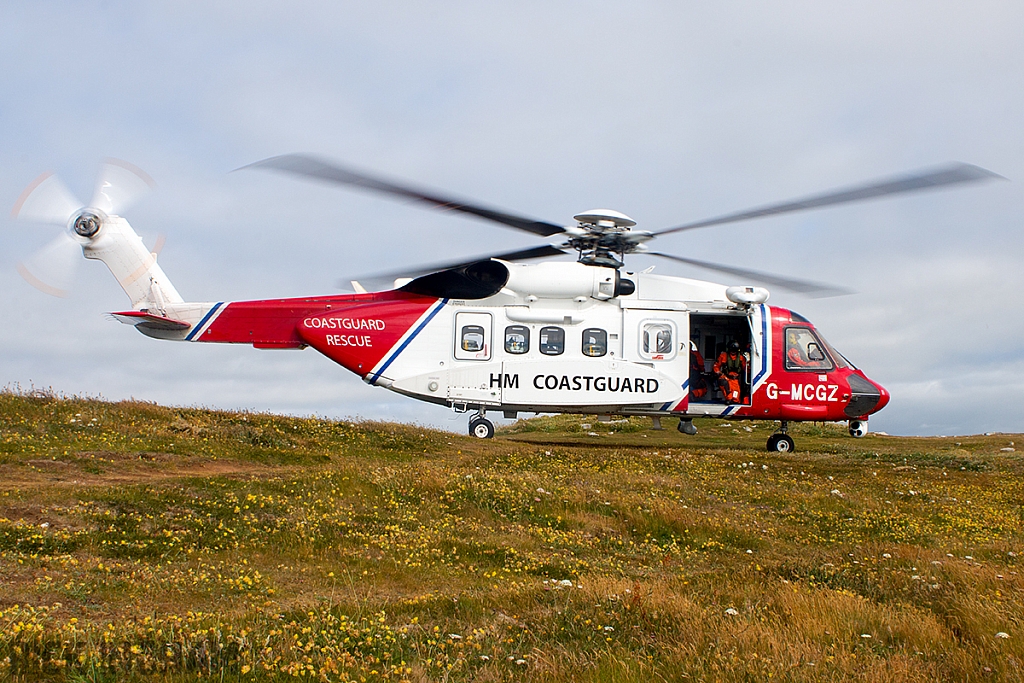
493,334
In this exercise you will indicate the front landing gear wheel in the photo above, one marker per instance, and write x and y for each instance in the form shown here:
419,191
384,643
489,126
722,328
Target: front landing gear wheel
781,443
481,428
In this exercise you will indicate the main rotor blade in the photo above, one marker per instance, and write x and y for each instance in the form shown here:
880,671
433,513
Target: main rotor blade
518,255
120,184
300,164
953,174
812,289
46,200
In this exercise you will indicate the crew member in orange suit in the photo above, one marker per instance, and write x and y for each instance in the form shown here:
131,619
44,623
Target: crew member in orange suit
795,355
698,385
730,368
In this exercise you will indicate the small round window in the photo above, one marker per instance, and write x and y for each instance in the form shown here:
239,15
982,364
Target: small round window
552,341
595,342
472,338
517,339
656,341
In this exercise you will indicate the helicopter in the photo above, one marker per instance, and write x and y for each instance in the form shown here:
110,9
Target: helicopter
496,334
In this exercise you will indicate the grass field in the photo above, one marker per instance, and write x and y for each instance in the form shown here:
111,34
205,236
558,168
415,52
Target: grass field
139,542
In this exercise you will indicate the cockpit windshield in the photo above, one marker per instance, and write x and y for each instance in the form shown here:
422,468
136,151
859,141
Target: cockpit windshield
841,360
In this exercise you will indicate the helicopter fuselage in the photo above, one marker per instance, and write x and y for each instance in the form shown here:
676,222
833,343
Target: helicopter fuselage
561,337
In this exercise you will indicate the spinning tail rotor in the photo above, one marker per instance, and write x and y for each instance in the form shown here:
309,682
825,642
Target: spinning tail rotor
95,230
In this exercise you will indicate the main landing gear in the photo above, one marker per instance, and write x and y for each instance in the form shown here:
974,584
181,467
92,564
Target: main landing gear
686,427
480,426
780,441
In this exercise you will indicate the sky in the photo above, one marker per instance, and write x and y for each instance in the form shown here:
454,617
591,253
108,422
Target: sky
666,111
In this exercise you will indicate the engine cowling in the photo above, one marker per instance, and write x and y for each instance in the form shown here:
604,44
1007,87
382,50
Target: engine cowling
563,281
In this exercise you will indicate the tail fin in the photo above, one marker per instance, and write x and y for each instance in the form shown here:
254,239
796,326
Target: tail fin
134,266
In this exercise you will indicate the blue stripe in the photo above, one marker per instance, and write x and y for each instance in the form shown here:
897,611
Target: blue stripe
203,321
408,339
764,347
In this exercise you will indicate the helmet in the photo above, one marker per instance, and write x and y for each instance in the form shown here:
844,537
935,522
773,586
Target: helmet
734,346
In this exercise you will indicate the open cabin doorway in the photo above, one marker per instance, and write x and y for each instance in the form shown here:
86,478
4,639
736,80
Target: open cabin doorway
710,336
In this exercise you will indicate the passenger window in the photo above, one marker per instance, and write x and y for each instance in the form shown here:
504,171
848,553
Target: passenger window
656,341
595,342
472,338
552,341
517,339
804,351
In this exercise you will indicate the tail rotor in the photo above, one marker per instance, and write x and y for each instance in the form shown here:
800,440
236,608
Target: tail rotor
48,201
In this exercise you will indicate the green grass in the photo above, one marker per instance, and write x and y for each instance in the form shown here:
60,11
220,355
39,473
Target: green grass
139,542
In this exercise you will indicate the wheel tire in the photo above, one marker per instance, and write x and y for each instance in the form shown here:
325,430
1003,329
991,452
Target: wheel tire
781,443
481,428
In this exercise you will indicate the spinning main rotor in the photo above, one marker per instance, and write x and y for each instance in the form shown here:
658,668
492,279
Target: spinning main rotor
600,237
604,237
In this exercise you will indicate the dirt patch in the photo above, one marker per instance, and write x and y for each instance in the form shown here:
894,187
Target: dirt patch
100,469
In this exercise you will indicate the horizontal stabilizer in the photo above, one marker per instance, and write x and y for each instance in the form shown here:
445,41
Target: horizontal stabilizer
144,319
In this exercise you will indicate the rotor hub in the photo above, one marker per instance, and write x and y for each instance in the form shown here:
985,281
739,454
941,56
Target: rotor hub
605,219
88,223
603,234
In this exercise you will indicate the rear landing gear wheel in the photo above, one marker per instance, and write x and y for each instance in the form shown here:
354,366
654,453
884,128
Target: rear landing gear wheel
781,443
481,428
686,427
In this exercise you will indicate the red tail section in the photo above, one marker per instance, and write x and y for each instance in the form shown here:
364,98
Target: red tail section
355,330
358,337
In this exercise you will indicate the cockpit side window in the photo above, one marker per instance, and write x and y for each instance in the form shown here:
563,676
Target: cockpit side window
804,351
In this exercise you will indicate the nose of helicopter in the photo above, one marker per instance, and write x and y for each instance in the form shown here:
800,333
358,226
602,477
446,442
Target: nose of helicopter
866,397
